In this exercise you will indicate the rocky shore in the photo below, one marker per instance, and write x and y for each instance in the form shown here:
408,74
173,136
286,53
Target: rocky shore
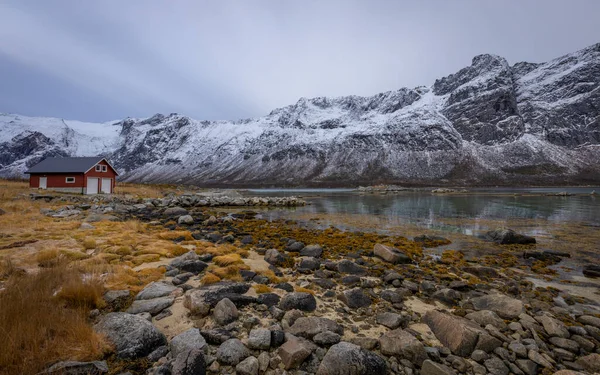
331,302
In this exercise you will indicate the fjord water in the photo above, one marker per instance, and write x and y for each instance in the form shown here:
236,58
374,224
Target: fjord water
466,213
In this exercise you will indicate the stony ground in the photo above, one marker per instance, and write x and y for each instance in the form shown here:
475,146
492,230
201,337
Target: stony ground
288,300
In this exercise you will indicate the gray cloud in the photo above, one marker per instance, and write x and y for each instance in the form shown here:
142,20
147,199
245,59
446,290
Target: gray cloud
230,59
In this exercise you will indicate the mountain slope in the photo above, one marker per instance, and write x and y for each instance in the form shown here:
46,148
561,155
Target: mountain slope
489,123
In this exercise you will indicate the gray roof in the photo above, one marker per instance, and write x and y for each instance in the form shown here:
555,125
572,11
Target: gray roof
65,165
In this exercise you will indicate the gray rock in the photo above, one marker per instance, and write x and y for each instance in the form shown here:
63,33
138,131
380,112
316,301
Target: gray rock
458,334
186,341
308,327
216,336
189,362
249,366
225,312
536,357
589,320
349,359
505,236
479,356
355,298
294,351
390,320
158,353
77,368
432,368
553,327
117,297
506,307
132,336
155,290
326,338
180,260
391,254
485,317
185,219
175,211
496,366
584,343
402,344
263,362
152,306
590,362
299,301
199,301
448,296
527,366
368,343
260,339
487,343
348,266
567,344
232,352
312,251
309,264
518,348
274,257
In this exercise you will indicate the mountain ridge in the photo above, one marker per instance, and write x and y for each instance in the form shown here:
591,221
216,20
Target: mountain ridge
488,123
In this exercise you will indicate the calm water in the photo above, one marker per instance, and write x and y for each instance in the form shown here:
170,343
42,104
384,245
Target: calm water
431,210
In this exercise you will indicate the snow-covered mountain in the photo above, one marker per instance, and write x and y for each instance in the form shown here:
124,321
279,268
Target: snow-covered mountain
489,123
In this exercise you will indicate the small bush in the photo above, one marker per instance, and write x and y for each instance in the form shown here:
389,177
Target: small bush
89,244
261,288
227,260
210,278
48,258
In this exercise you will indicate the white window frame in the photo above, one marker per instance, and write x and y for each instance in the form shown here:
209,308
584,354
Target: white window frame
104,168
98,168
69,182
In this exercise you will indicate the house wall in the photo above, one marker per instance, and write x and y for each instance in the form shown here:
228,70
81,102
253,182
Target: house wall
110,173
57,181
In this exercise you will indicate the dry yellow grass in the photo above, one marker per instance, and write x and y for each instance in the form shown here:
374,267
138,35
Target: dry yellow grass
228,260
273,279
230,272
210,278
89,244
38,328
304,290
261,288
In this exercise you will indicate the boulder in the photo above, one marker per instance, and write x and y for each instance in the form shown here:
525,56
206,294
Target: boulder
309,264
216,336
432,368
294,351
448,296
355,298
77,368
308,327
152,306
274,257
485,317
505,306
402,344
348,266
259,339
299,301
232,352
391,254
248,366
175,211
349,359
482,271
590,362
506,236
132,336
312,251
155,290
186,341
326,338
225,312
189,362
185,219
458,334
390,320
553,327
190,255
591,270
199,301
589,320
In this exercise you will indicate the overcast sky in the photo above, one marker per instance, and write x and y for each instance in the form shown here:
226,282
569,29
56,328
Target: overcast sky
230,59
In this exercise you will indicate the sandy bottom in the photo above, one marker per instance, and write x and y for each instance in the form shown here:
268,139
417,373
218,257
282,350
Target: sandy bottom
177,323
256,262
421,307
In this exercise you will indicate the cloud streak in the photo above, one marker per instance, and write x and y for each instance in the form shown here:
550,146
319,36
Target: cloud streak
232,59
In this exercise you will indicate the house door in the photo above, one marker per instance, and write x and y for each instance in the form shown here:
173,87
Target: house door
106,185
92,185
43,182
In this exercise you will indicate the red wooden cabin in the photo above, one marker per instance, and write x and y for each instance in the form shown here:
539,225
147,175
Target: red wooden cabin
84,175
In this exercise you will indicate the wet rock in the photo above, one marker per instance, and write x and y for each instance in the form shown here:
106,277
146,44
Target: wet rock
156,290
260,339
248,366
189,362
591,270
430,241
225,312
505,236
460,335
349,267
308,327
77,368
326,338
312,251
152,306
482,272
485,317
132,336
506,307
349,359
402,344
186,341
232,352
294,351
432,368
355,298
391,254
448,296
299,301
390,320
590,362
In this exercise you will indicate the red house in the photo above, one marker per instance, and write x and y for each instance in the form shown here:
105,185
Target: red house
89,175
